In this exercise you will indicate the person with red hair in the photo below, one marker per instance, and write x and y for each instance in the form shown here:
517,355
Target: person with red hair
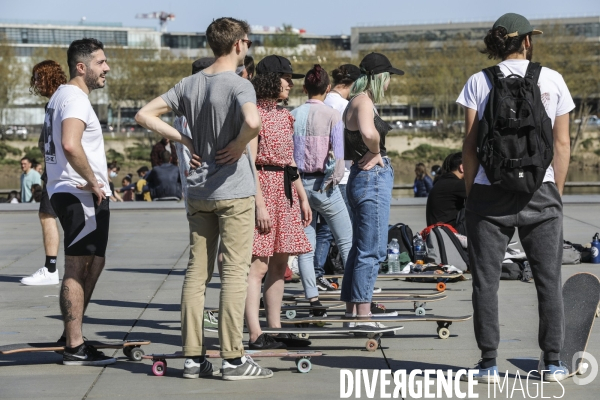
46,77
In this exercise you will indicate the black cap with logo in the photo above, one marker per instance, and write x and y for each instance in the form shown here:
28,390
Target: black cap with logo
376,63
277,64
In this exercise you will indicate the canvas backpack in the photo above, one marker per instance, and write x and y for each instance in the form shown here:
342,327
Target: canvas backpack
514,140
516,270
404,235
443,247
571,255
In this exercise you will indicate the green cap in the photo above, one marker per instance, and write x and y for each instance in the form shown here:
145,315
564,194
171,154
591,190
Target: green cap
515,25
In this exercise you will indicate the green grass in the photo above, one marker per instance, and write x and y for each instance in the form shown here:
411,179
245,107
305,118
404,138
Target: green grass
427,152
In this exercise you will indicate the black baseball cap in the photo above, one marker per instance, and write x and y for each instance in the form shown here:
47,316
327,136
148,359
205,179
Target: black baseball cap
515,25
277,64
352,71
202,63
376,63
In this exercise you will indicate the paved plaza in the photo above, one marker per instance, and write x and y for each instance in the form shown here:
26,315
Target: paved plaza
139,293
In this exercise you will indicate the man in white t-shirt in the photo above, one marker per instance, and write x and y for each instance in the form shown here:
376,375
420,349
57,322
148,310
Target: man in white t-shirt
493,213
78,189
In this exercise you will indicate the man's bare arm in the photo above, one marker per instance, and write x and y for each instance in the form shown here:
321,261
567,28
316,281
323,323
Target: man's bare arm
469,150
72,133
250,129
562,151
149,117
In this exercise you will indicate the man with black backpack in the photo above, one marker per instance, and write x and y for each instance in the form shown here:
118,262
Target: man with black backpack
515,158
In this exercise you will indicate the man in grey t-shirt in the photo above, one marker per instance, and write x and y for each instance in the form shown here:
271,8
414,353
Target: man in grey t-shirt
220,108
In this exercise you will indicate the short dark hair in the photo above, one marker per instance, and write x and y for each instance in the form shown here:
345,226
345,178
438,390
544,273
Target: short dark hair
143,169
499,46
267,86
249,65
316,81
127,178
452,162
165,156
81,51
222,34
26,158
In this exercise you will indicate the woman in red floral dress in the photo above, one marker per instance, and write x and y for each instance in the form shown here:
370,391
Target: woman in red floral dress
282,209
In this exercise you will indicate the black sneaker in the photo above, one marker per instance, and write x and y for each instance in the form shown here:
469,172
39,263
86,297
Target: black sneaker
379,310
86,355
317,311
193,368
265,342
291,340
325,286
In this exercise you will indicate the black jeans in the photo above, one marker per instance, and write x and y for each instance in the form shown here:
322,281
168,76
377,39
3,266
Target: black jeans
492,216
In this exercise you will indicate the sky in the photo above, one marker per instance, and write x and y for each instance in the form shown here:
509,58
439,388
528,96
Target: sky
319,17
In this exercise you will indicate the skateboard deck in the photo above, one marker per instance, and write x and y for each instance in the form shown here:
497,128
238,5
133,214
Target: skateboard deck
376,296
442,321
581,298
131,348
303,364
429,275
374,334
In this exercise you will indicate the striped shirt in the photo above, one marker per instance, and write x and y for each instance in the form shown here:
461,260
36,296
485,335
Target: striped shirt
319,141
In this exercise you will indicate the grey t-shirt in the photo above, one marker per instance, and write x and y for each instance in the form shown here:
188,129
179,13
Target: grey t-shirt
212,105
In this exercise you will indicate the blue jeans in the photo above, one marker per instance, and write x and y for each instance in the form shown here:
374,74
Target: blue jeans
324,238
370,195
331,207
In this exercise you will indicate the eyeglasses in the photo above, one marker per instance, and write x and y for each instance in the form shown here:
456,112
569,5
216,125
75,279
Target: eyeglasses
248,42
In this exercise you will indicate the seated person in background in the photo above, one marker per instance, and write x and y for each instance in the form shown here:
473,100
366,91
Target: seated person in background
448,195
164,181
139,185
36,193
127,188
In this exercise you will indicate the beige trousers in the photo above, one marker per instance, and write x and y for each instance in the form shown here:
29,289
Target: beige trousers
234,221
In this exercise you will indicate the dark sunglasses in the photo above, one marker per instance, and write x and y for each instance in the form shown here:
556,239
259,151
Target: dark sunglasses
248,42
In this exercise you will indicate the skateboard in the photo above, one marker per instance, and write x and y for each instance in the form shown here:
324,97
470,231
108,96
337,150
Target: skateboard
290,310
303,364
373,334
441,279
581,297
419,303
131,348
442,321
387,294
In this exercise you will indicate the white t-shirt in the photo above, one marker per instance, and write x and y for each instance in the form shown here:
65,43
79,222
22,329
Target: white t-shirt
71,102
555,96
337,102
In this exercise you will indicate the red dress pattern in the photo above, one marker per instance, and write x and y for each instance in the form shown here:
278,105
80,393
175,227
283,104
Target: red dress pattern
276,147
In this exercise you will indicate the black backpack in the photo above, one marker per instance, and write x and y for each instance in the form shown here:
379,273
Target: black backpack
404,235
514,141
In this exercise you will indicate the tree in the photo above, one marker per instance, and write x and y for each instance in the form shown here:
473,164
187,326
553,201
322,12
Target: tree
11,75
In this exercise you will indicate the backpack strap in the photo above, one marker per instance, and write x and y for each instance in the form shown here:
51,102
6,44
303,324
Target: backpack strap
533,72
493,73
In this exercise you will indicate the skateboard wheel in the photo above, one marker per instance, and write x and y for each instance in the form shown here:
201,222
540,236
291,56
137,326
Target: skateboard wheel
301,325
443,333
303,335
441,286
159,368
320,324
335,285
290,314
304,365
420,311
136,354
371,345
127,351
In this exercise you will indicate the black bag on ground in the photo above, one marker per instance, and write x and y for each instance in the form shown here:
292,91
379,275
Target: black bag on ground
443,247
516,270
404,235
571,255
334,264
515,141
461,221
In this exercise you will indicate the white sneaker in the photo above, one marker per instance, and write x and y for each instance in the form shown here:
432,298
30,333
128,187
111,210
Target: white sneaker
41,277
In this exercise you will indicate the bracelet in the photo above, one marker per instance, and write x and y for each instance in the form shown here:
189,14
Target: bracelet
373,152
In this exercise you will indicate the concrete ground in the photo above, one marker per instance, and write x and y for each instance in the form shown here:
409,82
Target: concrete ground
138,297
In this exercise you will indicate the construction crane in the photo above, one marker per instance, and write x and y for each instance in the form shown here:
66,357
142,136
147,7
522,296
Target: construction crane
162,16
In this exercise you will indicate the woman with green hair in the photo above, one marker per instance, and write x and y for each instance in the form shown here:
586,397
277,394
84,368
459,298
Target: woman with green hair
370,183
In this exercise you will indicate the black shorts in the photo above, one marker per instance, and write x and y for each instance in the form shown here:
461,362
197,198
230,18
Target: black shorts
84,222
45,204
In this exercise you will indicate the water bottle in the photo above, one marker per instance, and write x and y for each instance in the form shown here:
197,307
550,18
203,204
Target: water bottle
596,249
419,248
393,257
